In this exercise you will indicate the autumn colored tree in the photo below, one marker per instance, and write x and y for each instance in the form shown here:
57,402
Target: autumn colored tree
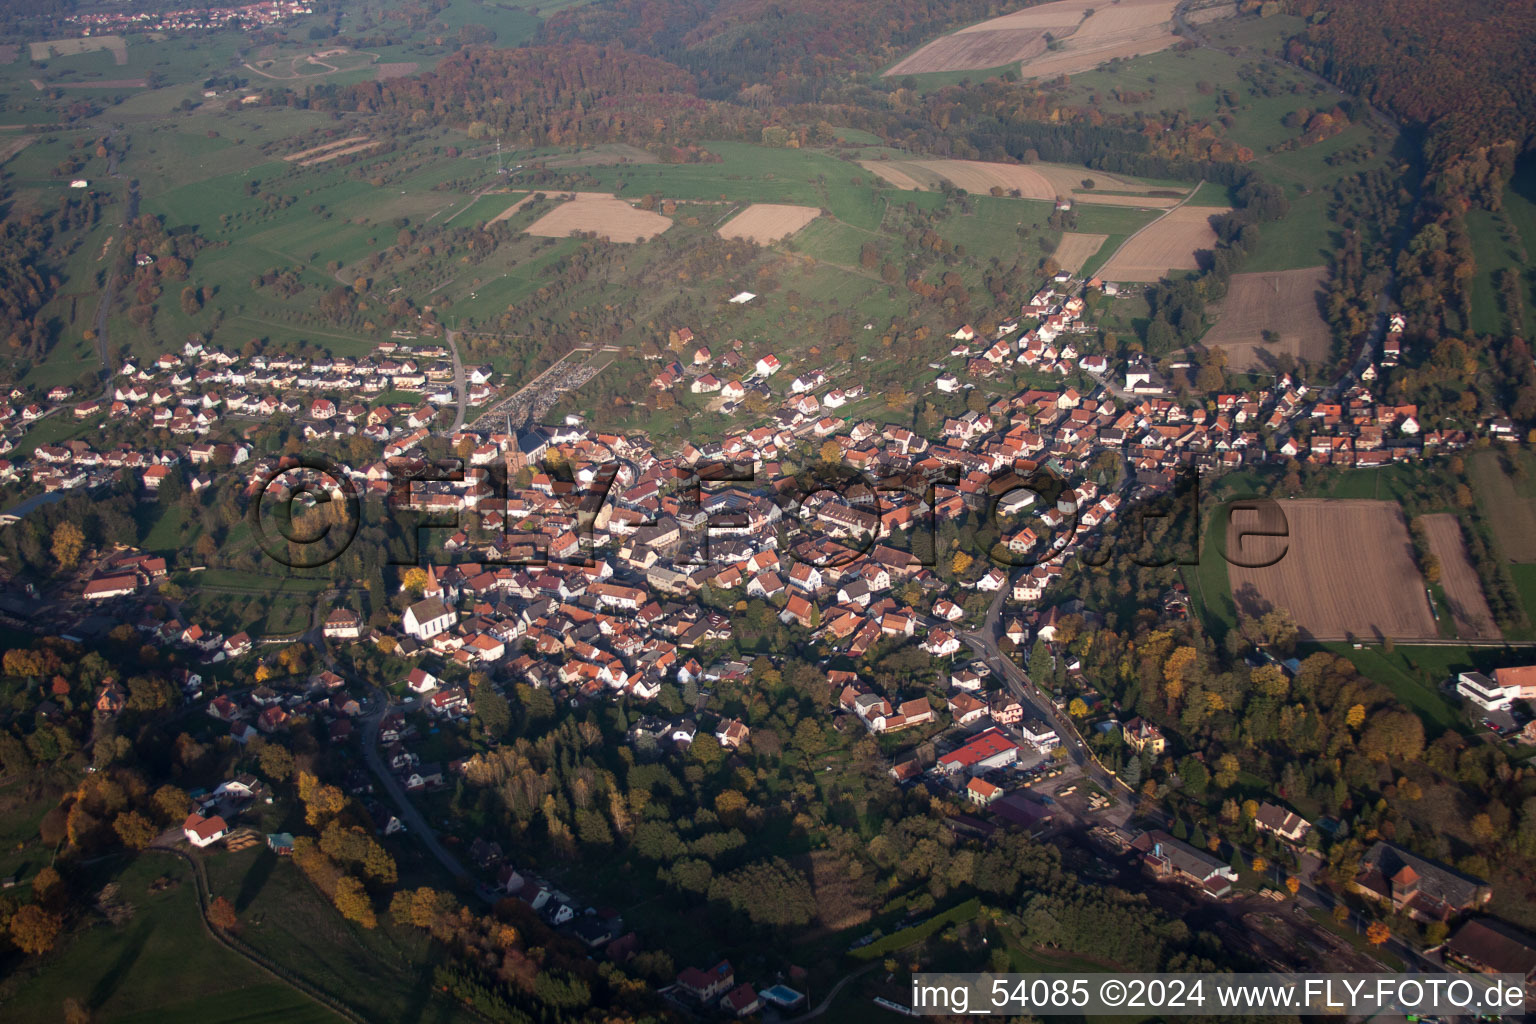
48,886
172,803
321,801
1377,933
134,829
276,762
68,543
221,914
1270,680
732,806
1227,768
34,930
353,902
1175,673
414,580
1293,885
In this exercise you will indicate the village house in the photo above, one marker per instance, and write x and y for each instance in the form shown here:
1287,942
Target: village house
1281,822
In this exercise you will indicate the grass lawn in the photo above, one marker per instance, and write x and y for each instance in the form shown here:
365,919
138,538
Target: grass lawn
755,174
61,426
386,972
160,967
1211,193
832,241
1299,239
1207,582
1414,675
1502,241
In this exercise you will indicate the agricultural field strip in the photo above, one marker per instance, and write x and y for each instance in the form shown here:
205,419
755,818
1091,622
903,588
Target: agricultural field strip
1085,34
1512,517
1033,181
1076,249
1284,302
768,222
1347,571
1168,243
1463,590
603,214
305,154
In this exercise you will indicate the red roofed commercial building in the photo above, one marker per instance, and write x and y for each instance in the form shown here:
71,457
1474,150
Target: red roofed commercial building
989,749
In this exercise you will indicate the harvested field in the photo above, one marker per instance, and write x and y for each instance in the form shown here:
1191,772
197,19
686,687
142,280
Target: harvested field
768,222
1345,569
335,153
1463,590
1168,243
331,150
602,214
397,69
1206,15
1286,302
48,48
305,154
1033,181
1076,249
1090,32
1512,516
974,51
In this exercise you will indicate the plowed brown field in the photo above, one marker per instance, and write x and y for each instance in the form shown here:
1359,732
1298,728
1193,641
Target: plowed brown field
1090,33
1168,243
602,214
1076,249
1033,181
768,222
1345,569
1463,590
1285,302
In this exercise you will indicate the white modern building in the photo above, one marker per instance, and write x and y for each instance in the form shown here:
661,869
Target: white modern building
1484,692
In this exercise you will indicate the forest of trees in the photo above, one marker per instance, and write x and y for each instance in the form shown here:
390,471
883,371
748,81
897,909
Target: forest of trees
1469,81
551,96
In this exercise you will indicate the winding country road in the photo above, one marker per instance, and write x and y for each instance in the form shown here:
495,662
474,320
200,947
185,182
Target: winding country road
414,822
